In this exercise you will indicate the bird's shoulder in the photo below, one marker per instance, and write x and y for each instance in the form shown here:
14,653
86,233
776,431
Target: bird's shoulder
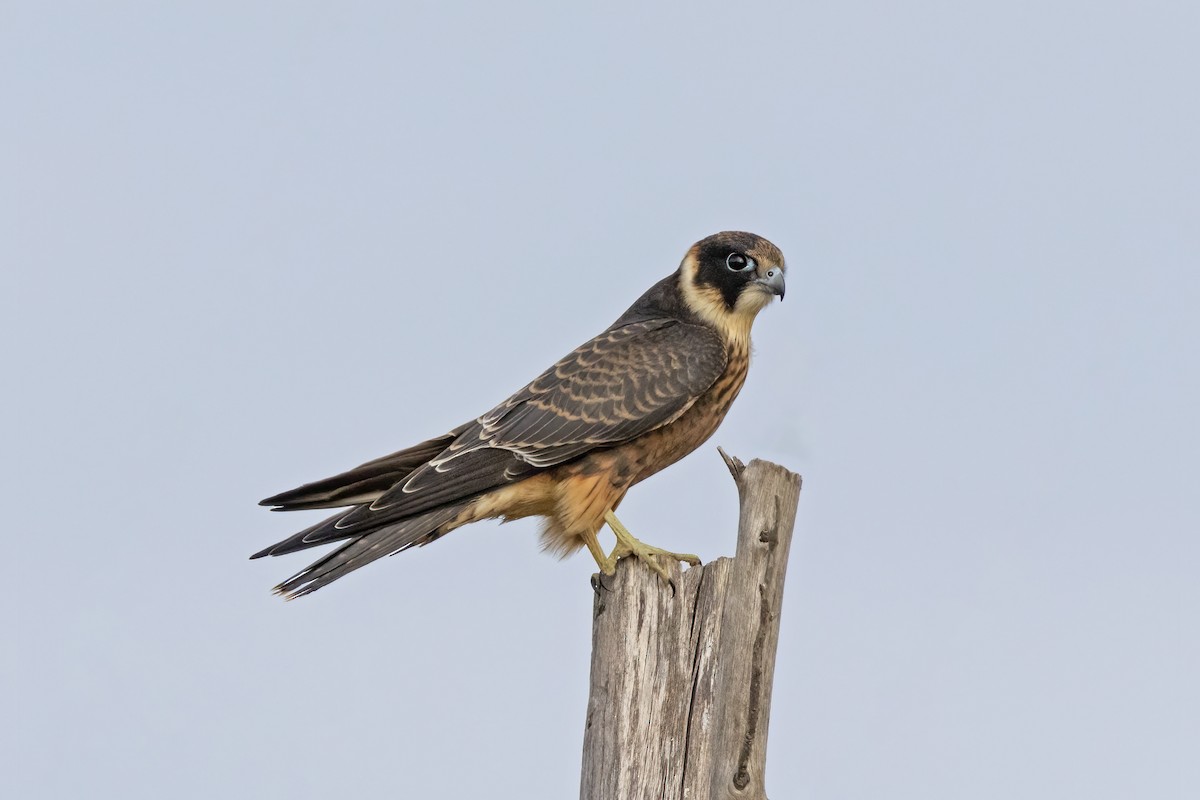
640,373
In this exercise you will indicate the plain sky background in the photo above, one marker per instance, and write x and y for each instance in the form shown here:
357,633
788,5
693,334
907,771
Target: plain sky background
247,245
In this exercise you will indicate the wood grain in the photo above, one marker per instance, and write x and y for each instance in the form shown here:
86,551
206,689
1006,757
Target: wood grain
681,683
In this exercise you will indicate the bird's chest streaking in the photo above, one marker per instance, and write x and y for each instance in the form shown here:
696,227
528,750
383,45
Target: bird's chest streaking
585,489
661,448
566,447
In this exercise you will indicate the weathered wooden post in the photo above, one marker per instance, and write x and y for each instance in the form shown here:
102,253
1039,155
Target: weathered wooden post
681,684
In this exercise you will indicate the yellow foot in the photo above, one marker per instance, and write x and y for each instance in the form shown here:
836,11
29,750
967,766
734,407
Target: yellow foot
627,545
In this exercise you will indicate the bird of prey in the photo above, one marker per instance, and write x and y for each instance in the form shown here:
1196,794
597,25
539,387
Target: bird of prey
632,401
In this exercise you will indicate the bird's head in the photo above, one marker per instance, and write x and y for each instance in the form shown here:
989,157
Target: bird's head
727,278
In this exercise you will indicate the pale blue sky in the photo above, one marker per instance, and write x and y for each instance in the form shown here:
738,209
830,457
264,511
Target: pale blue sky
246,245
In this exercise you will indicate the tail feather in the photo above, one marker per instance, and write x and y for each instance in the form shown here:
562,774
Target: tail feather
363,483
371,534
366,548
323,532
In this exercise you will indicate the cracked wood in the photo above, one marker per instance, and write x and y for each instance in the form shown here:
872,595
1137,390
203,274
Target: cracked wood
681,684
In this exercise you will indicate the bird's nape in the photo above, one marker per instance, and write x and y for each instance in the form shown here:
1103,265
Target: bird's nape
567,447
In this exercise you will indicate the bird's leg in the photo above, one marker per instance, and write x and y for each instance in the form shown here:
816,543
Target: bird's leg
629,546
593,546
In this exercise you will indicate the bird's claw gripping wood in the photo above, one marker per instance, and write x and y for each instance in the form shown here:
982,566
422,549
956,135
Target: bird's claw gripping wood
627,545
619,408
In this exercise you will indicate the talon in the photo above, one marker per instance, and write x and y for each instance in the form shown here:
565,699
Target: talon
627,545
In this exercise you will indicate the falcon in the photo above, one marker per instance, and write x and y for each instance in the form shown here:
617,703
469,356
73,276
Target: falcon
632,401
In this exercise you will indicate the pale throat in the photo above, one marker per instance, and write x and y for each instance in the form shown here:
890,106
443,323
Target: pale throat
732,324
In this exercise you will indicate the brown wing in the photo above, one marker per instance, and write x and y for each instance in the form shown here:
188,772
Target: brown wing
622,384
363,483
626,382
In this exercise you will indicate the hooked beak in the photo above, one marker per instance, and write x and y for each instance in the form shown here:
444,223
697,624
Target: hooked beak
772,281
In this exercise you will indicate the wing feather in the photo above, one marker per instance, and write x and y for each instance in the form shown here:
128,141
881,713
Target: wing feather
387,540
363,483
631,379
626,382
622,384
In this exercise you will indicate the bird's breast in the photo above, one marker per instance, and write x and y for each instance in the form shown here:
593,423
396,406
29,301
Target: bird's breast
661,448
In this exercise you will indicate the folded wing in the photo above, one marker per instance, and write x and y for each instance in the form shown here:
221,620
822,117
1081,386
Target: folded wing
624,383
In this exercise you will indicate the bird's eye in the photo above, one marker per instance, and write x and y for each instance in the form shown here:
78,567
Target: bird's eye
738,262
